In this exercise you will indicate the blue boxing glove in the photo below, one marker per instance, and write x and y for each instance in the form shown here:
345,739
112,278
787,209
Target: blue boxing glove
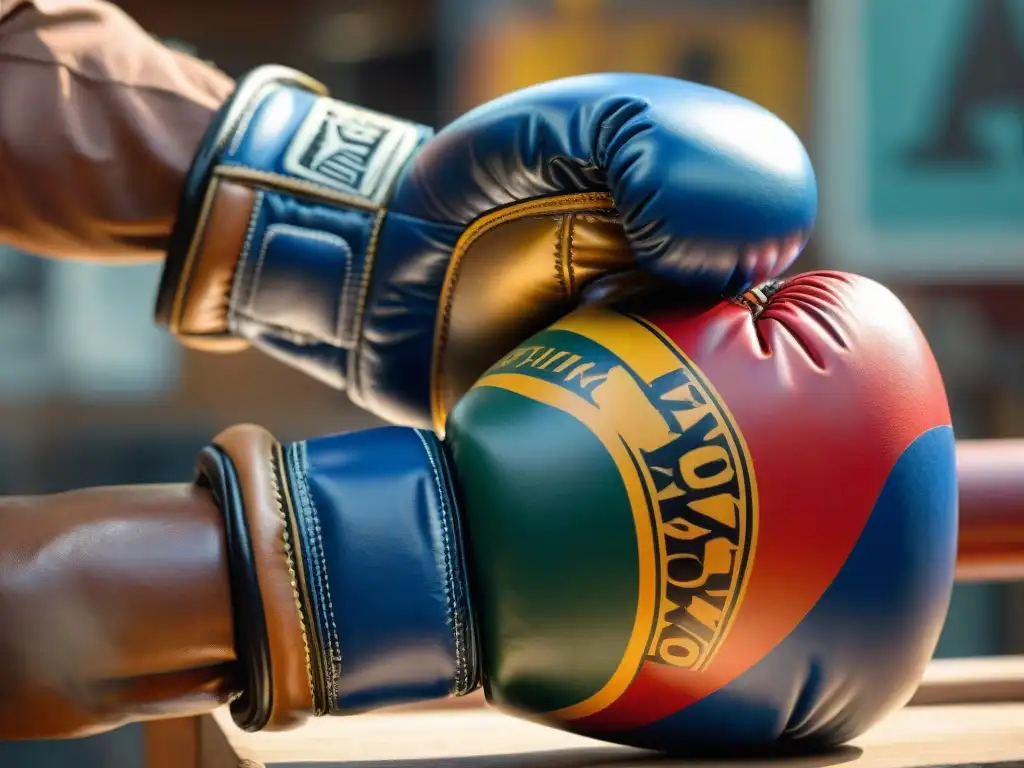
399,265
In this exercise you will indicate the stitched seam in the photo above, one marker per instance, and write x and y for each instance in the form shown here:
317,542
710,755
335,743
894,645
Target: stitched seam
240,265
289,559
342,329
515,212
570,250
289,334
559,255
252,289
364,290
303,534
280,181
592,218
321,237
449,588
323,585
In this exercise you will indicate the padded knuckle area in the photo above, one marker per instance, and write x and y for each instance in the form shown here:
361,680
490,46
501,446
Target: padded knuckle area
514,273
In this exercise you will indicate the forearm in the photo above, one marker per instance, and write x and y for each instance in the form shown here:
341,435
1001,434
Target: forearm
129,603
107,121
132,603
115,606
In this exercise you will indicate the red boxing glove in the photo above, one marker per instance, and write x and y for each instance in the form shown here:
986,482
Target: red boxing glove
794,556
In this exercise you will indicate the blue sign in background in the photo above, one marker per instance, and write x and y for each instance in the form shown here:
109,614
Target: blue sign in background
914,51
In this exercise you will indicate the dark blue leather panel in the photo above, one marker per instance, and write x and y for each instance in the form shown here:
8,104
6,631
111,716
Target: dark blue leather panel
302,272
298,282
408,300
682,161
384,564
321,170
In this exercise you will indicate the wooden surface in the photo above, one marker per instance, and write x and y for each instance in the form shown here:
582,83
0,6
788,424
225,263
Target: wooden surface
992,679
967,712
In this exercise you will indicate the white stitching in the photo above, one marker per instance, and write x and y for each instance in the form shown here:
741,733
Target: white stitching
369,261
240,268
449,590
323,580
287,183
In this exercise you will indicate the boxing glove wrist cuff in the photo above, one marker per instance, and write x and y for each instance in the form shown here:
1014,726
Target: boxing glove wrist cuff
251,707
277,222
277,688
355,554
376,517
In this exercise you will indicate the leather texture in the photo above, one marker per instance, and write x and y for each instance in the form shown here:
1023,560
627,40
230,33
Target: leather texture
668,524
382,564
399,266
116,608
712,527
256,458
94,163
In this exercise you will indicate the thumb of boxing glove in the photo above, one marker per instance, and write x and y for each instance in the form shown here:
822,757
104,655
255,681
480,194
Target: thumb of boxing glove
678,529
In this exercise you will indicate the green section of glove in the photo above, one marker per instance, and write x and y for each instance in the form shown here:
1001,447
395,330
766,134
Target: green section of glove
552,548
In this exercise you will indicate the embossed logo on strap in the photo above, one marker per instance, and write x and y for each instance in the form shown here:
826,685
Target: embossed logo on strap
351,150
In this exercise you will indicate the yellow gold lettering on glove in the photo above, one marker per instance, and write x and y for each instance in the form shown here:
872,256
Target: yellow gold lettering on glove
632,386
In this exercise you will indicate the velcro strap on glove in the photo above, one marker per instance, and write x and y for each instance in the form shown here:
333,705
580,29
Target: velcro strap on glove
348,574
277,224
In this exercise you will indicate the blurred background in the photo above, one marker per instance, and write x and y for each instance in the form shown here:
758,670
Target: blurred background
913,111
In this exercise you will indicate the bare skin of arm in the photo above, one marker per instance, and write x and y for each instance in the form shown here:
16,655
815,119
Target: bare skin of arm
98,127
116,607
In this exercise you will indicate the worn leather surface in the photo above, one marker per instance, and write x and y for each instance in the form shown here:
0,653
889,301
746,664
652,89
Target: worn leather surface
256,457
